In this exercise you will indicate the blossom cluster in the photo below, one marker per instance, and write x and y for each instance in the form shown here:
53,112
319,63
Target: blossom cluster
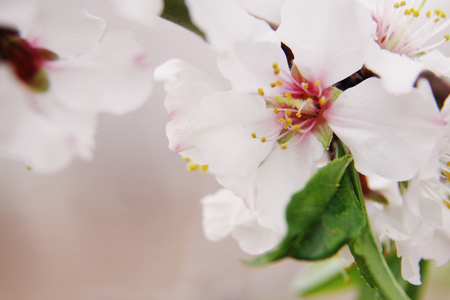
300,76
303,74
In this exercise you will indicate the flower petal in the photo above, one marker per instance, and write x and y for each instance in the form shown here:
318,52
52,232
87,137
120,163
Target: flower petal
390,136
115,78
399,73
328,37
282,174
224,213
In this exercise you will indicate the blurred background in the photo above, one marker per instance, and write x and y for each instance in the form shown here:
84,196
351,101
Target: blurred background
127,225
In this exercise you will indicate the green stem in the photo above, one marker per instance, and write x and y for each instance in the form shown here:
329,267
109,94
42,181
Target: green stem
368,257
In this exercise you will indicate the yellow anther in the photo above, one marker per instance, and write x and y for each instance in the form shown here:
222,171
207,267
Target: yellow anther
288,112
275,65
318,82
254,135
437,11
299,115
192,166
322,101
397,5
428,14
28,168
443,15
416,13
402,3
279,82
276,71
187,159
436,20
281,120
287,123
263,139
447,37
204,168
296,128
275,110
309,100
261,91
273,84
412,10
284,146
288,95
305,85
447,203
407,12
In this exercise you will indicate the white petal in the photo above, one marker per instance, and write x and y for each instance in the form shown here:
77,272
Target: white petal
282,174
143,11
37,131
399,73
225,137
115,78
436,62
267,10
328,37
67,33
225,22
224,213
390,136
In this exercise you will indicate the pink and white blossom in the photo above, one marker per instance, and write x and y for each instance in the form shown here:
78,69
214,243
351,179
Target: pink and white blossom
263,139
70,72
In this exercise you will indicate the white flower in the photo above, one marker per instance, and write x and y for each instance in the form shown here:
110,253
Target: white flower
57,73
405,41
419,220
225,214
264,138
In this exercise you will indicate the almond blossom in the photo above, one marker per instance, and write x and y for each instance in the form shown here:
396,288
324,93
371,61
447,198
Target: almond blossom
58,71
264,138
407,38
418,219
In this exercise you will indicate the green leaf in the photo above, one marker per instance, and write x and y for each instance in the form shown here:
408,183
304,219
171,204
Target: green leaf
322,217
177,12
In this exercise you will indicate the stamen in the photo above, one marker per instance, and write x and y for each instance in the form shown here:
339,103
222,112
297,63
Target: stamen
284,146
263,139
261,91
192,166
204,168
254,135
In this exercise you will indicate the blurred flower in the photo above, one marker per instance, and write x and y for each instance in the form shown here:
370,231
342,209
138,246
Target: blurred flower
263,139
57,73
418,219
407,36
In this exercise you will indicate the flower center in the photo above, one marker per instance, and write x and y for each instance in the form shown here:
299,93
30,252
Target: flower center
405,30
25,60
297,103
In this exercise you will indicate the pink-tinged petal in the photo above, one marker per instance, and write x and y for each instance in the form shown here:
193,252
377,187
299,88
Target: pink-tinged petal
114,78
398,72
389,135
328,37
225,22
69,32
37,131
224,136
282,174
224,214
